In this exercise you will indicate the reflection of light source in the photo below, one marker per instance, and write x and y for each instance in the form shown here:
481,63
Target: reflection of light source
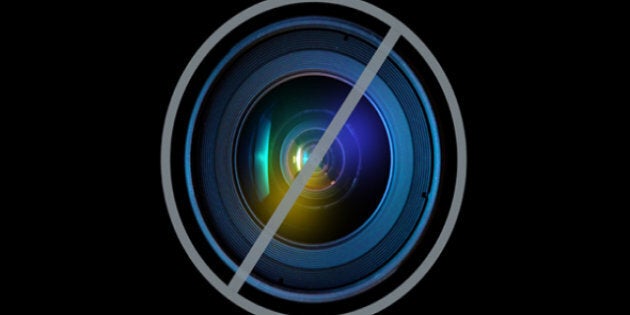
299,159
262,160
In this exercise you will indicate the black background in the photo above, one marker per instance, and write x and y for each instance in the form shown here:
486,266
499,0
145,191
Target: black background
107,75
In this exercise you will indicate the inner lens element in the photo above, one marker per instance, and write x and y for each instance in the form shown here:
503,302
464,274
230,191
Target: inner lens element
274,144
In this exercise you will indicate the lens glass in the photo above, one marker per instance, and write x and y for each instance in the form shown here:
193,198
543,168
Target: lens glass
276,137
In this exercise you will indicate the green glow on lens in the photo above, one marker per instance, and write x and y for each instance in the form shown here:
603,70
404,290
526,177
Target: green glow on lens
305,157
298,159
261,162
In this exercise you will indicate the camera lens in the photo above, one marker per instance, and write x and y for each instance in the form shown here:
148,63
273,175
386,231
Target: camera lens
274,143
244,124
255,122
